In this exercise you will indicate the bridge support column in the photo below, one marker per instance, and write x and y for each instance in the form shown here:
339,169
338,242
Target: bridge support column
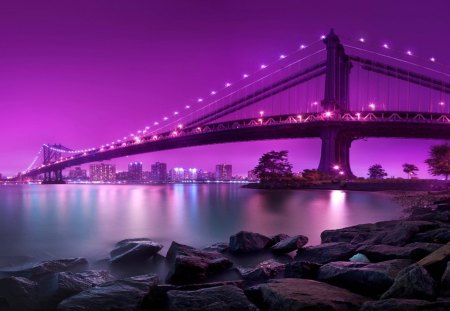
335,153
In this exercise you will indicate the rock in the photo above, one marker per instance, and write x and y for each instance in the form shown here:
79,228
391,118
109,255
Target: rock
441,235
445,281
190,265
301,269
426,247
402,233
300,294
277,238
381,252
404,305
124,294
436,262
326,252
290,244
45,268
269,269
358,233
62,285
18,294
134,251
359,258
412,282
247,242
221,247
371,279
221,298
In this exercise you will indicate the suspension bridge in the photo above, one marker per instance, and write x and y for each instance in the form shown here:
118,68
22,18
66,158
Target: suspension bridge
331,90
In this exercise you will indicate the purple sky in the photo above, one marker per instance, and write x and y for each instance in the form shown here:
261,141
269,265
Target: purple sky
86,72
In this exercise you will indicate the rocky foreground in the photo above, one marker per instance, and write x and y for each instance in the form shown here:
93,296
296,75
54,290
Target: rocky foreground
389,265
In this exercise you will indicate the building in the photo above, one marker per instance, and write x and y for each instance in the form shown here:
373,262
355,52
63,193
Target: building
122,176
77,174
223,172
192,174
159,172
177,174
135,171
146,176
102,172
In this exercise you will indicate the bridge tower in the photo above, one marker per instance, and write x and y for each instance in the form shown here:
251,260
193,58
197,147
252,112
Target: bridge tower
335,152
51,154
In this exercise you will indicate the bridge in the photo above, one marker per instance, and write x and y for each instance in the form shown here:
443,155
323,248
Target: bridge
318,91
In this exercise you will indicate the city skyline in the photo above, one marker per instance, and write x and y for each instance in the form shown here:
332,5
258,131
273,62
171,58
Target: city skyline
71,54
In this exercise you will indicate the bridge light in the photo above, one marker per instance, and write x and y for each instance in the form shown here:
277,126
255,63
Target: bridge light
175,113
245,75
358,115
299,118
433,59
328,114
386,46
228,84
174,133
336,167
322,37
441,103
260,120
199,129
261,113
362,40
180,126
409,53
282,56
155,137
200,100
302,46
341,173
372,106
156,123
263,66
213,92
165,118
187,107
315,103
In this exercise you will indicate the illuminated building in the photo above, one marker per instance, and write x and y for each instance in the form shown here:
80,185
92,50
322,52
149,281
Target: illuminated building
223,172
159,172
135,171
102,172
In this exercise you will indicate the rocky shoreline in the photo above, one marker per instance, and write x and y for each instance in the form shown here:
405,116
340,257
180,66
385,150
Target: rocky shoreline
389,265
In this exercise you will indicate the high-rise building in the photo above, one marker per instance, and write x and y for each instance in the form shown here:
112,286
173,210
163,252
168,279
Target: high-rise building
177,174
102,172
135,171
223,172
77,174
122,176
159,172
192,174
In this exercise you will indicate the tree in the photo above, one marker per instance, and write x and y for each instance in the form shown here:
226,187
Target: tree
410,169
376,171
312,175
439,161
273,165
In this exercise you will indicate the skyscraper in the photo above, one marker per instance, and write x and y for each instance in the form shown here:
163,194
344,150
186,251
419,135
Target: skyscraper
135,171
102,172
223,172
77,174
159,172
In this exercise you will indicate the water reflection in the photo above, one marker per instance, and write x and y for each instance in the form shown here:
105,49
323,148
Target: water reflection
86,220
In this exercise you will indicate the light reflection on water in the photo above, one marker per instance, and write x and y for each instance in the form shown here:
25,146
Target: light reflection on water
86,220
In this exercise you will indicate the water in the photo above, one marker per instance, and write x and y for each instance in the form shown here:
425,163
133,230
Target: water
56,221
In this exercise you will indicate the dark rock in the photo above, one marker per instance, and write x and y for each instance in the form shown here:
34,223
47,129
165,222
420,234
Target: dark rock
247,242
326,253
301,270
402,233
443,216
277,238
221,298
190,265
221,247
441,235
45,268
11,261
371,279
290,244
18,294
445,281
412,282
358,233
134,251
300,294
125,294
381,252
269,269
426,247
436,262
61,285
404,305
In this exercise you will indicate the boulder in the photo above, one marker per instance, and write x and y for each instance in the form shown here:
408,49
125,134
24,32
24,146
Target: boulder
247,242
290,244
125,294
382,252
436,262
221,247
327,252
301,270
402,233
359,258
404,305
134,251
61,285
412,282
190,265
445,281
300,294
371,279
426,247
350,234
277,238
269,269
441,235
18,293
220,298
44,268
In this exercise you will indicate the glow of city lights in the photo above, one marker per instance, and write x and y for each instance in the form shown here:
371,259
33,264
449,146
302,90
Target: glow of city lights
328,114
433,59
263,66
409,53
155,137
174,133
302,46
282,56
372,106
362,40
386,46
180,126
200,100
228,84
245,75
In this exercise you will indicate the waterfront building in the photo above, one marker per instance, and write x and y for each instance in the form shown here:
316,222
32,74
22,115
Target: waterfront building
102,172
177,174
192,174
146,176
159,172
135,171
77,174
122,176
223,172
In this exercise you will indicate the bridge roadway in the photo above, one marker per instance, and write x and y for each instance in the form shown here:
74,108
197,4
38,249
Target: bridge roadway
336,131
